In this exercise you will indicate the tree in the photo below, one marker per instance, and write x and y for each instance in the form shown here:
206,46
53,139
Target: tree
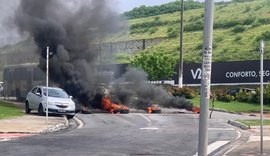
157,65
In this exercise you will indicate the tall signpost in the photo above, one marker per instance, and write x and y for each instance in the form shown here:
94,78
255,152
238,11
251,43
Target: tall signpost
180,81
261,92
206,77
47,82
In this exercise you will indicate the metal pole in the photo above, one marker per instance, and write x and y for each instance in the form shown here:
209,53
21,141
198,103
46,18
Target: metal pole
180,81
47,82
261,93
206,77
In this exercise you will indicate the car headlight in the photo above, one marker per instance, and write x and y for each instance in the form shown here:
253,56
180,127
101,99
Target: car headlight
72,105
50,103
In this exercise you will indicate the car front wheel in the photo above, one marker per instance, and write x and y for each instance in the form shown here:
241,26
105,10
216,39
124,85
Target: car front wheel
41,110
70,116
27,109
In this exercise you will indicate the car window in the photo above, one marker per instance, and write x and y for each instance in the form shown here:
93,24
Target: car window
1,87
55,93
38,91
34,90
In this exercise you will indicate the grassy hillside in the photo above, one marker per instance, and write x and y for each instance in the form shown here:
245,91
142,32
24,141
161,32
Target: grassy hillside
238,28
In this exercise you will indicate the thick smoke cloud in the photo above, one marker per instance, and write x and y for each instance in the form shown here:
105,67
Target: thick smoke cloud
67,27
132,89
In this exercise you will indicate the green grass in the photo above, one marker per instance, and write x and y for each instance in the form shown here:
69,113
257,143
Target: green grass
234,106
8,110
254,122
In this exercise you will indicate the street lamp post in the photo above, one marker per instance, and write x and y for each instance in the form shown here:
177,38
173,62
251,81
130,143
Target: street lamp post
261,92
206,77
180,81
47,82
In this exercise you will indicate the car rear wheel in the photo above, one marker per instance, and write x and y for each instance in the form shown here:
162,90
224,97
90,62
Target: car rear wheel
41,110
27,109
70,116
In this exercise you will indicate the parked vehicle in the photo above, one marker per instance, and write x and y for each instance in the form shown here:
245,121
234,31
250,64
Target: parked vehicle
235,91
59,102
1,88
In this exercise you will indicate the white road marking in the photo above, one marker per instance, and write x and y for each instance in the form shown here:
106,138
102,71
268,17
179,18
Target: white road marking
212,147
79,122
147,119
150,128
5,139
258,138
149,123
221,129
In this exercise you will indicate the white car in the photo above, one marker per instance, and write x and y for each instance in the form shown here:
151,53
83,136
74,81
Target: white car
59,102
1,88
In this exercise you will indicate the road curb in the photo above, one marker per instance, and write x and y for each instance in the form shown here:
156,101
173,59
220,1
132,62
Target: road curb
56,128
238,124
79,122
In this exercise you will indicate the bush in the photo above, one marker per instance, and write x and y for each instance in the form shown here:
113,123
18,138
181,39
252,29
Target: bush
157,18
170,29
264,36
238,29
264,20
249,20
256,24
221,96
197,26
185,92
173,34
153,30
266,95
247,9
244,97
238,38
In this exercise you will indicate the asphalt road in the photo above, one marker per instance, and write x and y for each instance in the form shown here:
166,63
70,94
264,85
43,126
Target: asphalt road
125,134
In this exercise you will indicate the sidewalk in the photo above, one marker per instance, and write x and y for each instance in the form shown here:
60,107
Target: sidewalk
253,146
29,124
32,124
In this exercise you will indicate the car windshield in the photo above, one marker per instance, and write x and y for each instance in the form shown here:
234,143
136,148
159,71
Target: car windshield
55,93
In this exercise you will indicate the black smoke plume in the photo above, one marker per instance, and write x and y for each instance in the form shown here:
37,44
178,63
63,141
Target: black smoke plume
133,90
68,27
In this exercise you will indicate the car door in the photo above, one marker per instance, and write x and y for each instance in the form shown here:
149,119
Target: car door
30,97
36,98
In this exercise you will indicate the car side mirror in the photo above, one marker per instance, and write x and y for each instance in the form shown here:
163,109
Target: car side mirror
38,94
70,97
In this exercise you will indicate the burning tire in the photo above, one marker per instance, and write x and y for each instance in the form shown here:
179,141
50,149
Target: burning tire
124,111
156,111
154,108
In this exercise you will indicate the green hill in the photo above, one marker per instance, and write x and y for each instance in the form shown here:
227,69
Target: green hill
238,28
